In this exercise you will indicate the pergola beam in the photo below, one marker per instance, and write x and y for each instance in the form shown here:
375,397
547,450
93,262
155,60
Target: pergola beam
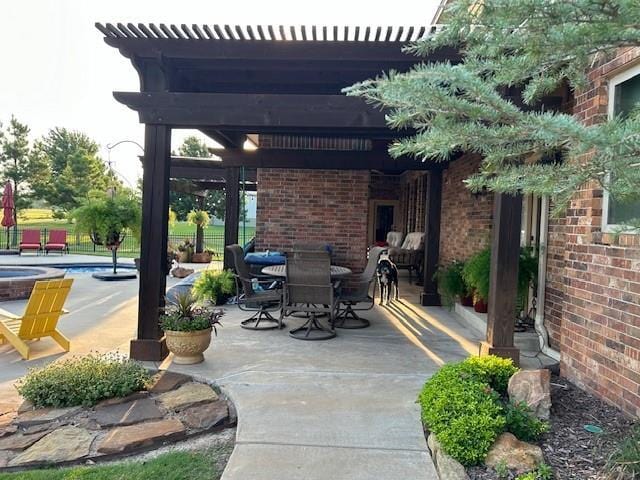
321,159
254,112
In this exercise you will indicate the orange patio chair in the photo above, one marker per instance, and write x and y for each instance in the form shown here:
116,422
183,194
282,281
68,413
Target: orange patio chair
57,241
30,241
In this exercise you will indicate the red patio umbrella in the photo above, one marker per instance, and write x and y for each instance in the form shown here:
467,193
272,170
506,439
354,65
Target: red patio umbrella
7,209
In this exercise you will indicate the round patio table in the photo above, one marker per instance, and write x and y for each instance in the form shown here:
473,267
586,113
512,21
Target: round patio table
281,271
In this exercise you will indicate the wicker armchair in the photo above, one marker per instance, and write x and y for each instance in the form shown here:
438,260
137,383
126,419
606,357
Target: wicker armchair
308,289
253,297
358,291
409,255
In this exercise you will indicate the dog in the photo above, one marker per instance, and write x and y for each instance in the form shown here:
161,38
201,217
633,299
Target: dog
387,274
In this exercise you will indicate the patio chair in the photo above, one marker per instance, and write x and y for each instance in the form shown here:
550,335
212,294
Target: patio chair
30,241
253,297
40,317
409,255
357,292
57,242
308,289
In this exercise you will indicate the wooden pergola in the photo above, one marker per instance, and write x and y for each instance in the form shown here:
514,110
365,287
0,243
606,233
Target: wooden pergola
229,82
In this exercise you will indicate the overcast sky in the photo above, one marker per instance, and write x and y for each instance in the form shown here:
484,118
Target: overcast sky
57,71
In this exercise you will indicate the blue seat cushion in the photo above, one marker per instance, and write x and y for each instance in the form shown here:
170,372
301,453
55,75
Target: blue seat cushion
261,258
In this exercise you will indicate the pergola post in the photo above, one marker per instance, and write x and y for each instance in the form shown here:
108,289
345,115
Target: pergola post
232,211
433,204
503,289
150,344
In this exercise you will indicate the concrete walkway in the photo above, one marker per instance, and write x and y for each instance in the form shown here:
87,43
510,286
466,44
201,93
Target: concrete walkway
338,409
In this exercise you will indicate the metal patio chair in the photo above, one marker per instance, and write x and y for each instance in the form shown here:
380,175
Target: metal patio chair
358,291
308,289
253,297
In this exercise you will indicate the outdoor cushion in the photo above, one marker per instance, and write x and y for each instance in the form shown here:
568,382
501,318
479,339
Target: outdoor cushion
262,258
394,239
29,245
413,241
55,246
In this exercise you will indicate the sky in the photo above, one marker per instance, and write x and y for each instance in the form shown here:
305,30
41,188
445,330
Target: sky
56,70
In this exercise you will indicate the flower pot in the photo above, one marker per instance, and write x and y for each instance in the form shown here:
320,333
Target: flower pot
184,257
188,347
480,306
466,301
204,257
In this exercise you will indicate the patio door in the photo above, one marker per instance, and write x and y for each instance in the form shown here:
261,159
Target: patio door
382,219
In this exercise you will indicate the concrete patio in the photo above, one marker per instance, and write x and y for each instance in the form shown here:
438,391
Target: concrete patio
341,409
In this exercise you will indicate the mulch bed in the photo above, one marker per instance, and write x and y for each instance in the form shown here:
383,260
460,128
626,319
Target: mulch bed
573,452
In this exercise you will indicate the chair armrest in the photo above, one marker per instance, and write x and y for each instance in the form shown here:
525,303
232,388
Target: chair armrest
6,314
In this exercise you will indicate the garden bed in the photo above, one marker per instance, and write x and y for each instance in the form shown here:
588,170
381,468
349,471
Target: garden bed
572,451
173,408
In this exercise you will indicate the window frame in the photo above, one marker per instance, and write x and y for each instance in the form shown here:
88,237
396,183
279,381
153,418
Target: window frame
614,81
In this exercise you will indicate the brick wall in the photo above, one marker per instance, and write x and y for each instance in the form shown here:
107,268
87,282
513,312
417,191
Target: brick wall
599,291
318,206
466,218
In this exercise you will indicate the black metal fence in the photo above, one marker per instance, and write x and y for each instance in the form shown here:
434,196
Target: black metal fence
130,247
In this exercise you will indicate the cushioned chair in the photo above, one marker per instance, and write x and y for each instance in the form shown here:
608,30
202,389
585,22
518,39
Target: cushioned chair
57,241
357,295
308,289
30,241
409,255
252,296
394,239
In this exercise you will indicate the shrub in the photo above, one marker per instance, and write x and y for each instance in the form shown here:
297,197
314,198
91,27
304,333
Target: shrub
83,381
461,405
522,423
451,285
214,285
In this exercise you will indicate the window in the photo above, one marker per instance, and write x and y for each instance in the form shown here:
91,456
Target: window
624,96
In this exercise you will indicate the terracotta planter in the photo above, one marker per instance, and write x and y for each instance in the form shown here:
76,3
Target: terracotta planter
204,257
466,301
188,347
480,306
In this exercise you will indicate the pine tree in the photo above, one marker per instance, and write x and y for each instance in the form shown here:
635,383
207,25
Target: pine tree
534,47
14,162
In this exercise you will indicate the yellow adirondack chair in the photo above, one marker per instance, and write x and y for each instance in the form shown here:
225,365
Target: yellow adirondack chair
40,317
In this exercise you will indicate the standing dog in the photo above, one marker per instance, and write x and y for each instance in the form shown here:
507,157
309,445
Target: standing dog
387,273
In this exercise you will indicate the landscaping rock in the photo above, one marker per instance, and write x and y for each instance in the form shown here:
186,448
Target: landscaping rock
7,418
122,414
203,417
117,400
181,272
25,406
44,415
8,430
166,381
187,395
7,408
63,445
20,441
448,467
124,439
514,454
532,387
4,459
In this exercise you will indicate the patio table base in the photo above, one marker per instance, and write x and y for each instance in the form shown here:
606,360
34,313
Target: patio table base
312,330
253,323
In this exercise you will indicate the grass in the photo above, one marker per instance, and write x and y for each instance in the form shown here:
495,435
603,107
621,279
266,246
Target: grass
202,465
624,463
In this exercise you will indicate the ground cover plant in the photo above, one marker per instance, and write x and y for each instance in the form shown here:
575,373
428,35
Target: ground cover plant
465,406
83,381
201,465
214,286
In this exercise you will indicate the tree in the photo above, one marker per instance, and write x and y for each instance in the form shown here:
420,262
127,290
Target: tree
74,168
15,162
533,47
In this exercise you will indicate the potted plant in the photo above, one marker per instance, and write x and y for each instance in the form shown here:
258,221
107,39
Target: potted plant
214,286
199,218
451,284
187,327
185,251
171,255
476,274
107,218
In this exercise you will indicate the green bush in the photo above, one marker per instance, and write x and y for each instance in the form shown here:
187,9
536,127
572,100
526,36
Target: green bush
83,381
495,371
215,286
451,285
522,423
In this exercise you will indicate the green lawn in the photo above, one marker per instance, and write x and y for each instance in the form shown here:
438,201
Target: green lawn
204,465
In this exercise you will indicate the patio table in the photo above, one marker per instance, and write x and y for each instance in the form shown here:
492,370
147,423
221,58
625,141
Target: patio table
281,271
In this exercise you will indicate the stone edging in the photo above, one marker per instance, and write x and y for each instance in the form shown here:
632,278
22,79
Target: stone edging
176,407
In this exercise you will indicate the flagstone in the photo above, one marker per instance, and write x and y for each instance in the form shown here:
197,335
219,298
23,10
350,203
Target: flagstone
65,444
202,417
187,395
128,413
124,439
